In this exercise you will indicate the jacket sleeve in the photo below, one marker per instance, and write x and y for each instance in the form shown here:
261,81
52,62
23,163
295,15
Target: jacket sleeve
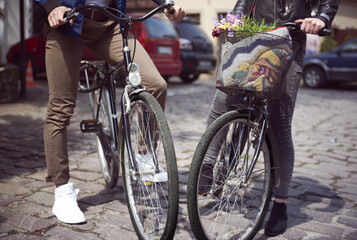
158,2
243,6
48,5
327,11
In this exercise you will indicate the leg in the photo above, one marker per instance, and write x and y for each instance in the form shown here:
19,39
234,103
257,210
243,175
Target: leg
220,105
281,114
63,56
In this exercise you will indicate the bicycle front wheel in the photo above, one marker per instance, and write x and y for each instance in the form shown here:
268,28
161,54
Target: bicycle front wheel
228,193
152,197
106,135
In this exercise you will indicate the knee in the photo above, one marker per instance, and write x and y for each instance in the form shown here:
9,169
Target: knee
159,88
60,111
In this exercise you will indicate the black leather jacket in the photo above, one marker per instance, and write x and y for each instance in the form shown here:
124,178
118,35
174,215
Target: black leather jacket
288,10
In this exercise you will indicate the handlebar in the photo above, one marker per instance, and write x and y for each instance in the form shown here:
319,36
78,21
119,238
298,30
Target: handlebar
296,27
76,11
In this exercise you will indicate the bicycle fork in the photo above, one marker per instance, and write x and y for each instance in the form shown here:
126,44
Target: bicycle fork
146,128
264,119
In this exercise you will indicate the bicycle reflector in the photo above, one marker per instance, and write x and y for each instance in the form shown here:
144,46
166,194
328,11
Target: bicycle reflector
134,75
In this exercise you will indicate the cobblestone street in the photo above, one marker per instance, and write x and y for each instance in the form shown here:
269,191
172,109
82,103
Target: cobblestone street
323,194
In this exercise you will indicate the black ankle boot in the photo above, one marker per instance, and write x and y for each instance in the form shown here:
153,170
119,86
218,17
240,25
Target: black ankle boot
278,219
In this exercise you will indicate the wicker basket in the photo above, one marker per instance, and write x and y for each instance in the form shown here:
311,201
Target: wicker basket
254,65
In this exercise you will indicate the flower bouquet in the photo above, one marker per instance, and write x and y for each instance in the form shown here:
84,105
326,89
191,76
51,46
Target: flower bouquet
252,56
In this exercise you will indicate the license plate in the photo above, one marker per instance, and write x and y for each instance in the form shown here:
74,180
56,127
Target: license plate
164,50
204,63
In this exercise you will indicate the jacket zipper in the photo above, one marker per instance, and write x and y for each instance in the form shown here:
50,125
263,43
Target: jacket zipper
251,10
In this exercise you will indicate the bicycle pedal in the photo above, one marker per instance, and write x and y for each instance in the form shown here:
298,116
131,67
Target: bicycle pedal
90,125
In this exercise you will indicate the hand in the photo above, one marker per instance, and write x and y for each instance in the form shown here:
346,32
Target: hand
55,18
311,25
177,16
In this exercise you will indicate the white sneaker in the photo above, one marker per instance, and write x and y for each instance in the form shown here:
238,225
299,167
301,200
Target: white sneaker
65,207
147,169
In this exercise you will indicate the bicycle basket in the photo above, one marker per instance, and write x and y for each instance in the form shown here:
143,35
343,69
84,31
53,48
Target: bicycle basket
254,65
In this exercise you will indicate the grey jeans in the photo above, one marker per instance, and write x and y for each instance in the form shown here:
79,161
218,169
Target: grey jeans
280,117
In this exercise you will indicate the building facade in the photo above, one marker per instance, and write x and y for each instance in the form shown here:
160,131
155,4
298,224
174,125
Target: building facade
345,24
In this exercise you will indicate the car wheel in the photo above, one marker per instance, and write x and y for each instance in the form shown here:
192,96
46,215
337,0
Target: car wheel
314,77
189,77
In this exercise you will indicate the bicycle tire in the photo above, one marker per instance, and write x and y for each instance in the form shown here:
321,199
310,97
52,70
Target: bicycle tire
108,157
230,209
153,206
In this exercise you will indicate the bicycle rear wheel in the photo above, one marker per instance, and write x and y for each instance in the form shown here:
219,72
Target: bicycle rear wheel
223,203
152,204
106,135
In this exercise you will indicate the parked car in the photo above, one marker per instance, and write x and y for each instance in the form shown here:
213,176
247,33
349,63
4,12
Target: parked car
161,41
338,65
35,52
196,50
157,35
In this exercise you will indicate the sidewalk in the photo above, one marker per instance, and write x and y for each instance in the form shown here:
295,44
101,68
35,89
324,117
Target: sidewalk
323,195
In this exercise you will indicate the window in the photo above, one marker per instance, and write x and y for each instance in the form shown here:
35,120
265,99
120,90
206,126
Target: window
160,28
350,48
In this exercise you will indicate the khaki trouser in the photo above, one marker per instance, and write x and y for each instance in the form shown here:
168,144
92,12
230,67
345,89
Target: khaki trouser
63,56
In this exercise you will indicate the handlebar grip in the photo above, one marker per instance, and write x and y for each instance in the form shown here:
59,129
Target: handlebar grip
70,14
324,32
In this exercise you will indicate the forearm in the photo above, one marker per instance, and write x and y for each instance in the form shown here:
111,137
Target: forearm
48,5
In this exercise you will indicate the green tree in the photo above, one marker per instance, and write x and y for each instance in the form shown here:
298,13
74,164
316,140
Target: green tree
328,44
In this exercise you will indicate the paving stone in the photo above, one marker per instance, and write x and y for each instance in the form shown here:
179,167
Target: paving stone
352,213
30,164
6,229
95,199
33,209
24,236
7,199
26,222
86,176
294,234
114,220
13,189
119,233
42,198
117,206
321,228
64,233
351,236
351,222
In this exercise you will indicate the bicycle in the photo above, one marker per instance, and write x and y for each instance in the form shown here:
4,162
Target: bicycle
234,167
141,135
